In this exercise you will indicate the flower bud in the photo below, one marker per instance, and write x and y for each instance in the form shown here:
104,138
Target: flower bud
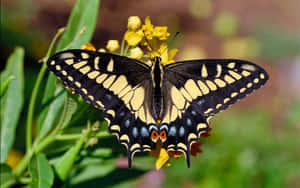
136,53
134,23
113,45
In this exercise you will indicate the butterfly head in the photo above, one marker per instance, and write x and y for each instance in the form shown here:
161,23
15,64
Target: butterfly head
156,59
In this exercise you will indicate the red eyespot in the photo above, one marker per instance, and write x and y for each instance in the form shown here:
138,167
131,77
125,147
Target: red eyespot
163,135
154,135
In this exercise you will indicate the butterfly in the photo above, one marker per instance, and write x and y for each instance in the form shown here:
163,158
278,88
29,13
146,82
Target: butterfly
148,105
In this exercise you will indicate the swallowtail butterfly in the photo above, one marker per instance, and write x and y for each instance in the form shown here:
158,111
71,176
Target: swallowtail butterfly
145,105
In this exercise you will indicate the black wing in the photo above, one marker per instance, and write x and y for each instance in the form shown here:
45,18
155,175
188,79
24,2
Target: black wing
118,85
196,90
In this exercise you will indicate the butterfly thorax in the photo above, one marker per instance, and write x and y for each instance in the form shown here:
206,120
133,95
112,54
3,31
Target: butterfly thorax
157,77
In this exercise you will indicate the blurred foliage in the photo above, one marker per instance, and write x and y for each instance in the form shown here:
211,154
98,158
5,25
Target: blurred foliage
277,43
225,25
243,151
241,47
201,9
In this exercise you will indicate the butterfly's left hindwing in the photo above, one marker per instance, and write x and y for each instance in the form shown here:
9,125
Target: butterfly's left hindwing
116,84
196,90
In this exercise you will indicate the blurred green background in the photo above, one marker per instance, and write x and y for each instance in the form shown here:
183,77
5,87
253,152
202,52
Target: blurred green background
256,142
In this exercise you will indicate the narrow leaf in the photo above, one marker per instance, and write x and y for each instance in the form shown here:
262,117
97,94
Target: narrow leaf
47,99
69,109
83,16
64,165
41,172
4,85
53,112
6,176
12,101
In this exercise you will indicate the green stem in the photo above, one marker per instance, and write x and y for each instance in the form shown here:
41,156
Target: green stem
24,163
122,47
25,180
68,137
126,50
77,136
35,92
36,148
31,108
103,134
45,142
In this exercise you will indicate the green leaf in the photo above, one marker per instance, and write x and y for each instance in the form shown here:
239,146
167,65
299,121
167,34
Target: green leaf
41,172
54,112
113,178
95,170
83,16
69,109
6,176
64,165
12,101
4,85
47,99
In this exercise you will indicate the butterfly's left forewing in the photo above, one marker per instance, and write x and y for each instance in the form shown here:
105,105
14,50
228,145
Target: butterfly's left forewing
196,90
118,85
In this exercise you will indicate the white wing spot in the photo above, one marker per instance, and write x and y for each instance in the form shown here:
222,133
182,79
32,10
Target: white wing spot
204,71
96,62
57,67
66,55
110,66
84,55
219,70
231,65
248,67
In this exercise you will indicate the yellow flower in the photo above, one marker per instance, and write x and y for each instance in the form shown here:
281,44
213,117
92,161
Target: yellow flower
136,53
88,46
14,158
134,23
166,56
147,28
133,38
161,32
163,158
112,45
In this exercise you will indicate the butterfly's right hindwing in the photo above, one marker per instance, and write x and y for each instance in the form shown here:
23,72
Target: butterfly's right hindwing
116,84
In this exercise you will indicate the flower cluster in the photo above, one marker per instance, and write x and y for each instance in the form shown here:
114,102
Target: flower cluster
148,36
141,39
